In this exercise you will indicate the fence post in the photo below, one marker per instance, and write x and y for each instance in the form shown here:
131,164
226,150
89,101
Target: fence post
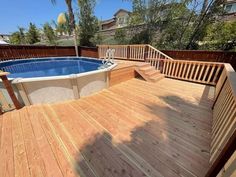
79,51
7,84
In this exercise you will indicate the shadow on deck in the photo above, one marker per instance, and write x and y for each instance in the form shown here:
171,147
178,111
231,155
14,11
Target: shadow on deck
131,129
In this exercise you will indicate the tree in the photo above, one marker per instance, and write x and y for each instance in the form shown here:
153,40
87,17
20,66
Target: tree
71,21
169,19
32,34
63,28
49,33
120,36
181,24
18,37
88,23
221,36
176,26
97,39
209,13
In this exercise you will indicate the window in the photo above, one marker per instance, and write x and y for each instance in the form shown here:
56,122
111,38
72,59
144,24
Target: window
121,21
230,8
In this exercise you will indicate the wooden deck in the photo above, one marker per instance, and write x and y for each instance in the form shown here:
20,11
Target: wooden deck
131,129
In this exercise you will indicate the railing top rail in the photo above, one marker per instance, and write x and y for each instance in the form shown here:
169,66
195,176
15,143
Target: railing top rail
160,52
200,62
122,45
231,74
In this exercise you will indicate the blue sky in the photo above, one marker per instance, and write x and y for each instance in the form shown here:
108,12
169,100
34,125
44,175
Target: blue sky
16,13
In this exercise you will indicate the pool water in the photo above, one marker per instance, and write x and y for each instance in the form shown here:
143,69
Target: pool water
49,67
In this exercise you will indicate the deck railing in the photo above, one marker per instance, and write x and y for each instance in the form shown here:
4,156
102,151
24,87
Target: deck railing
201,72
193,71
223,142
145,53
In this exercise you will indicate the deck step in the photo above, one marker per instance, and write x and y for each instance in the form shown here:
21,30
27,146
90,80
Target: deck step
153,72
146,68
142,65
149,73
157,77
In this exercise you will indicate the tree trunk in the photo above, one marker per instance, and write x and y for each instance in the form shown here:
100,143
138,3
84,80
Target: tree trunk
72,23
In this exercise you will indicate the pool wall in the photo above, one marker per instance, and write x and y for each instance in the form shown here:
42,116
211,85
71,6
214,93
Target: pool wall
38,90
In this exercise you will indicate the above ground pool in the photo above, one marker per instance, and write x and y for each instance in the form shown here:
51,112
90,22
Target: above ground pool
46,67
50,80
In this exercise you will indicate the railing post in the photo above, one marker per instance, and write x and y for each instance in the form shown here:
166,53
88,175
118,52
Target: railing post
145,53
128,52
7,84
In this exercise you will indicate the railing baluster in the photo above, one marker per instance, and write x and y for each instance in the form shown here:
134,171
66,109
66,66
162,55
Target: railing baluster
192,70
211,73
173,70
206,73
216,74
196,73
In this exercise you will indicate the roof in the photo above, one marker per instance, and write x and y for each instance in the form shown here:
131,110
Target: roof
3,42
107,21
122,10
5,34
113,19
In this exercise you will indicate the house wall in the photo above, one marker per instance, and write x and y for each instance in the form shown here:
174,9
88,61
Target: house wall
4,37
122,19
108,25
129,31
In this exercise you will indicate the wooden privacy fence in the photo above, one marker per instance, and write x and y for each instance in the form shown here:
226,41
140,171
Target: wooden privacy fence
203,55
133,52
9,52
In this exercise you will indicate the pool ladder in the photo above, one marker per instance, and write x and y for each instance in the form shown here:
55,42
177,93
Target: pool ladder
109,58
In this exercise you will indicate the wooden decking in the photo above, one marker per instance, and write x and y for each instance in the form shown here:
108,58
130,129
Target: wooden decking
132,129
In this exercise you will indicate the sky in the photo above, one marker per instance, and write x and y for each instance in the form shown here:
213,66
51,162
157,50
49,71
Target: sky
16,13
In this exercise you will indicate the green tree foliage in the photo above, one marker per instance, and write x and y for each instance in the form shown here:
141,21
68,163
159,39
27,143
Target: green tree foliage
71,21
32,34
139,12
210,12
18,37
120,36
171,24
221,36
88,23
49,33
144,37
176,26
97,39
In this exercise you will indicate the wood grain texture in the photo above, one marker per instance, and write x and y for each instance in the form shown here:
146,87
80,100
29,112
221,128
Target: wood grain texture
120,75
131,129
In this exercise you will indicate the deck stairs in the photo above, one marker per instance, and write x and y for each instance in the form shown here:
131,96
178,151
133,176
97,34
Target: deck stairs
149,73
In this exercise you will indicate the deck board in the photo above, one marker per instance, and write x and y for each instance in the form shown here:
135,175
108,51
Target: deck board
20,156
6,151
134,128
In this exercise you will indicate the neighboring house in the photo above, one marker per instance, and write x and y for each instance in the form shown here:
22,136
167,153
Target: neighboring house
120,19
230,10
5,37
